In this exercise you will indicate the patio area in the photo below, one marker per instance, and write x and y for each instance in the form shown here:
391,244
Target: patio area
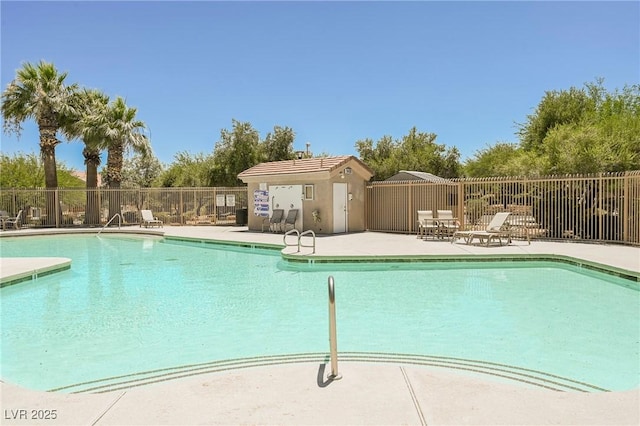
368,393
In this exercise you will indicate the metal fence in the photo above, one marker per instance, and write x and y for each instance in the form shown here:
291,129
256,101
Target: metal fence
603,207
95,207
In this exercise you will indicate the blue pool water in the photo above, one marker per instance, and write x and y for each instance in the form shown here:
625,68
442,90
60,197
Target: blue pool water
132,304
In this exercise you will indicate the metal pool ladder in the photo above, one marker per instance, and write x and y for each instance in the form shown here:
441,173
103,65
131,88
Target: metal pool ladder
299,243
111,220
333,338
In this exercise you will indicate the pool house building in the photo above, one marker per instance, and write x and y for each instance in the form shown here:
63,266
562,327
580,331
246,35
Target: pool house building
328,193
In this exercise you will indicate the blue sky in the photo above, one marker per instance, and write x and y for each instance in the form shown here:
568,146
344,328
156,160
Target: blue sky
335,72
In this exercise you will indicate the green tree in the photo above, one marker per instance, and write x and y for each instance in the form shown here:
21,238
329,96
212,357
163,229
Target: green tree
278,145
415,151
379,157
237,150
500,159
141,170
122,132
90,108
584,130
451,166
419,151
27,171
556,108
21,171
39,92
618,123
188,170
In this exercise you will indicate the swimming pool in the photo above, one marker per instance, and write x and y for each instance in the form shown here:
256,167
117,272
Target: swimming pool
132,309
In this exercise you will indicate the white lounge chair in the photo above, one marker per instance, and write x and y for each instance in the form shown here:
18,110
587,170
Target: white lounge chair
498,228
426,224
149,220
14,222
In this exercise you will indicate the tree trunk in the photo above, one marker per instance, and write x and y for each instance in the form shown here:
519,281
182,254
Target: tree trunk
48,142
114,178
92,211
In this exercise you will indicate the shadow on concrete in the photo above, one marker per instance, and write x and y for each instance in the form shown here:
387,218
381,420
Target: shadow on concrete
322,382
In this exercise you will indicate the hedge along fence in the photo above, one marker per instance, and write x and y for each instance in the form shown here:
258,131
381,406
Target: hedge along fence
66,207
602,207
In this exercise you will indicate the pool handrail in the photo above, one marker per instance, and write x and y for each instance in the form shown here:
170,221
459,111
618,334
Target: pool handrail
298,242
333,338
111,220
308,232
293,231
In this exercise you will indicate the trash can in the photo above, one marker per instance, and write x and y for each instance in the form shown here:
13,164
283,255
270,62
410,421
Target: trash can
242,216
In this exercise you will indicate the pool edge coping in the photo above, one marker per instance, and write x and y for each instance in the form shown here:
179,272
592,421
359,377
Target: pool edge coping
313,258
556,258
58,264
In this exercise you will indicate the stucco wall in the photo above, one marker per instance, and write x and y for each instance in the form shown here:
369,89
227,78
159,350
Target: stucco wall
323,202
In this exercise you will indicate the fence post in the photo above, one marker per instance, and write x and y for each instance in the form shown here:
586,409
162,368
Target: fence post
411,203
461,204
181,208
57,207
626,209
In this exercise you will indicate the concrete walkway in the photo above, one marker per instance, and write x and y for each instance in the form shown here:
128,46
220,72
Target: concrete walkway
368,393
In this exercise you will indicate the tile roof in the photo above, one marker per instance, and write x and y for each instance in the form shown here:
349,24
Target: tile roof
305,165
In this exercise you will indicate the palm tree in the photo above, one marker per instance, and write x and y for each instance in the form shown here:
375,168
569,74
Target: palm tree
122,132
39,92
91,106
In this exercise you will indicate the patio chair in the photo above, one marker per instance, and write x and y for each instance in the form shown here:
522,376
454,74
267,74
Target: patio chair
15,222
426,224
36,215
148,219
290,220
275,222
447,224
497,229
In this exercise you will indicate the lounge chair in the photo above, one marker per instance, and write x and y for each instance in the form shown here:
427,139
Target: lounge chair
149,220
290,220
447,224
426,224
275,221
498,228
15,222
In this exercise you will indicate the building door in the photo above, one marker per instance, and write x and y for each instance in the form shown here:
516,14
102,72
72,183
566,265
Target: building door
340,208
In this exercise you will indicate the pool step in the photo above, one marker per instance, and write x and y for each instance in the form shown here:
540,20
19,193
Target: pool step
521,375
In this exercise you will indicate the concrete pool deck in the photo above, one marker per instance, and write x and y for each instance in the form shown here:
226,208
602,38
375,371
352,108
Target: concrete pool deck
369,393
